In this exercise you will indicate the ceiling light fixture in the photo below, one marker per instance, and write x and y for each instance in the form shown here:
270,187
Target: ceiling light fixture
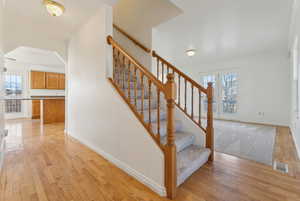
54,8
191,52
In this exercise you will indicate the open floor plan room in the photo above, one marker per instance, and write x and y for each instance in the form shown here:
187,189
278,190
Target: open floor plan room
149,100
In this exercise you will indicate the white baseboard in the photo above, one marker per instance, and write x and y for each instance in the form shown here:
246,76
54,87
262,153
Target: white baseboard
160,190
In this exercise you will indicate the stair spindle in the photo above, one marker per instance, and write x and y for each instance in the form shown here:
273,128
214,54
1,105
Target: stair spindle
199,120
179,86
114,64
192,102
143,93
157,70
149,102
119,69
129,80
163,72
135,86
124,72
158,115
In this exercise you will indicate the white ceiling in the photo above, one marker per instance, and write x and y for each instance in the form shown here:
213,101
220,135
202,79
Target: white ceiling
36,56
28,24
228,28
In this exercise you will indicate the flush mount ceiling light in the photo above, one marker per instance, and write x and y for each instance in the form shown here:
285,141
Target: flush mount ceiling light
190,52
54,8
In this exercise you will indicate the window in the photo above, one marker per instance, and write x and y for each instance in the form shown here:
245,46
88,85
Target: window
13,89
229,92
205,80
225,86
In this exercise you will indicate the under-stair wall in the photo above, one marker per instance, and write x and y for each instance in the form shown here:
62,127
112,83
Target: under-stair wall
98,116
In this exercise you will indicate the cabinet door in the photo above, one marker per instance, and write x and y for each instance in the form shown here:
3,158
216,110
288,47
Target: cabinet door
36,112
62,81
52,80
38,80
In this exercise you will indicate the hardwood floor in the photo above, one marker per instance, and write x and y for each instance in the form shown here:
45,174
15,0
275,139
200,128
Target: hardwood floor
285,151
43,164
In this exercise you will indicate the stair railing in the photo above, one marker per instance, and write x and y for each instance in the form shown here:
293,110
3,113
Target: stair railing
135,83
173,84
192,98
204,96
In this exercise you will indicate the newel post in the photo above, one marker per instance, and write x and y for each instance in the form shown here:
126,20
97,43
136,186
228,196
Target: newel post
170,150
210,127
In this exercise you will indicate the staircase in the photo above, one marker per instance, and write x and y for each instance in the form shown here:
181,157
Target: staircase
153,99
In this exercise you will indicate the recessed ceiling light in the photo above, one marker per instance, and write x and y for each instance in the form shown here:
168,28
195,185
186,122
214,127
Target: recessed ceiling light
54,8
191,52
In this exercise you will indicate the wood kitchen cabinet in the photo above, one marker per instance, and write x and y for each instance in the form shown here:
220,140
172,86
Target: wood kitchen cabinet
38,80
52,81
61,81
36,109
53,111
47,80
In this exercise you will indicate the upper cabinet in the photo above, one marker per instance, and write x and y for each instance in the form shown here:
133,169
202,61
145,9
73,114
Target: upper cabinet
61,81
38,80
52,80
47,80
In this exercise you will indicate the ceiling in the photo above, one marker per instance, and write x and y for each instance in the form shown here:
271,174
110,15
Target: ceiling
28,24
228,28
36,56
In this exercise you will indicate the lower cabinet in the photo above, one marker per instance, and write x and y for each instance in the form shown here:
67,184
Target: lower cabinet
36,109
53,111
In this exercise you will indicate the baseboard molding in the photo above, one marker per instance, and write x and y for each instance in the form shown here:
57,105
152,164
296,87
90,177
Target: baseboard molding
160,190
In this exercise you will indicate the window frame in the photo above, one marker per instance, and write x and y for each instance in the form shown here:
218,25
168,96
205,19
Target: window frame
218,90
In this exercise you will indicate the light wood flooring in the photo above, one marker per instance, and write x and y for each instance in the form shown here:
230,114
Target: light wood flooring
285,151
43,164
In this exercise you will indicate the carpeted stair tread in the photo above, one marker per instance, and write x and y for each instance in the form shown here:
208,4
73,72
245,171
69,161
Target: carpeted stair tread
183,140
189,160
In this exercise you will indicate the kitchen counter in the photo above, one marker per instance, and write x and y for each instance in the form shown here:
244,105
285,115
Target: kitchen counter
49,109
38,98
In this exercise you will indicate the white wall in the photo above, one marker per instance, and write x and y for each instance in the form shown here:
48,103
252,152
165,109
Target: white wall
294,112
264,90
221,36
97,116
138,17
263,87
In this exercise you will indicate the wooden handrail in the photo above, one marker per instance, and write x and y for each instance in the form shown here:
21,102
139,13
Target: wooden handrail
132,39
154,54
112,42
